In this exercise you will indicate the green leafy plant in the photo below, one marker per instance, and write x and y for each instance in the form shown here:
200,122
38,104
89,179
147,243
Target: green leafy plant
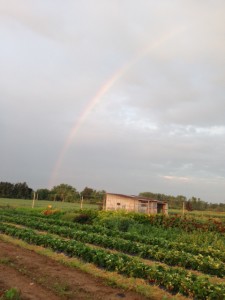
11,294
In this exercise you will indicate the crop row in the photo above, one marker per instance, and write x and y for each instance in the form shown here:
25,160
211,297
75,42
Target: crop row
173,279
171,257
186,223
148,240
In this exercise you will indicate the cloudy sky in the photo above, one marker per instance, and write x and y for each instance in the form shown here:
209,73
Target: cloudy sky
126,96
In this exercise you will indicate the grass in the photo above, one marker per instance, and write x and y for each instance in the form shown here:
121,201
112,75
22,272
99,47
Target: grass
199,213
5,261
61,289
43,204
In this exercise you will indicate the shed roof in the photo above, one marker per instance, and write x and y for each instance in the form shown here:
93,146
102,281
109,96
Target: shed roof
137,198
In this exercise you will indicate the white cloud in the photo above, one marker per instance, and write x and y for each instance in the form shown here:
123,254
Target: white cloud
176,178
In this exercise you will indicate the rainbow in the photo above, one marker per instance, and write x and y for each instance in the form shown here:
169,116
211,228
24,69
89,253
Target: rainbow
100,93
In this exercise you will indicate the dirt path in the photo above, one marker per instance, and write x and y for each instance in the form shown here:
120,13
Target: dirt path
11,278
39,278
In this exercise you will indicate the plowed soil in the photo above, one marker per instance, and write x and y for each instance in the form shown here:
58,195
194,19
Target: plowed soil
40,278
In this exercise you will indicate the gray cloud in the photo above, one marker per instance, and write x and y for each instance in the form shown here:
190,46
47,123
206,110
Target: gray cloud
159,126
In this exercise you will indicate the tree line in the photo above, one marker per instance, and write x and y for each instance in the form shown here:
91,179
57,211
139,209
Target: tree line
15,191
176,202
68,193
62,192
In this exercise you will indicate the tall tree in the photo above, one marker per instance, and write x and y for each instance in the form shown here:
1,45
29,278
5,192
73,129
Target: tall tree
92,195
6,190
65,192
88,193
43,194
22,191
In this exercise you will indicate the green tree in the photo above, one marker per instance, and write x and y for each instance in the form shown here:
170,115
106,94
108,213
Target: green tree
88,193
99,195
22,191
43,194
65,192
6,190
92,195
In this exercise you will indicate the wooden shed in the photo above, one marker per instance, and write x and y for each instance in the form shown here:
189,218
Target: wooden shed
134,203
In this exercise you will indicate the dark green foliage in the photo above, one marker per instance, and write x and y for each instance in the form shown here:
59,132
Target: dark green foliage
64,192
92,195
43,194
82,219
16,191
117,223
188,206
79,216
11,294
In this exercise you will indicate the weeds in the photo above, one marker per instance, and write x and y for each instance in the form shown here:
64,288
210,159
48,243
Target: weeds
11,294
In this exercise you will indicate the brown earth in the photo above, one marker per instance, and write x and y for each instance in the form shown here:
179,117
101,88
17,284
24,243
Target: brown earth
39,278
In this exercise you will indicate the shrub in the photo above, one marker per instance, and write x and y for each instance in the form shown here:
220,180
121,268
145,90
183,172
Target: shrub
69,216
82,219
11,294
117,223
85,216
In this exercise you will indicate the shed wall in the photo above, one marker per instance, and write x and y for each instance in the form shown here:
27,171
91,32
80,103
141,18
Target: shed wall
117,202
114,202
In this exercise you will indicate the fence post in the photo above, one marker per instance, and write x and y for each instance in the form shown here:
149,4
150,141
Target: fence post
81,202
33,199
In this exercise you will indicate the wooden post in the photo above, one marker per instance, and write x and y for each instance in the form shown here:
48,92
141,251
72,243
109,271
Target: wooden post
104,202
183,209
33,199
81,202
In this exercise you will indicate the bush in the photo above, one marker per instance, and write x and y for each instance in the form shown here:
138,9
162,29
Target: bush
85,216
117,223
82,219
68,216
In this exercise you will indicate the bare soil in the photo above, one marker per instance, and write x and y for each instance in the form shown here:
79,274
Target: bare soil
40,278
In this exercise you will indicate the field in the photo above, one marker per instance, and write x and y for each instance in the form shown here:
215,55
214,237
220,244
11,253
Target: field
65,253
42,204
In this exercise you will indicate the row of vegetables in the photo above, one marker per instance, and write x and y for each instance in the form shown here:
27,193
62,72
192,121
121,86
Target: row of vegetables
148,240
187,223
175,280
165,242
173,257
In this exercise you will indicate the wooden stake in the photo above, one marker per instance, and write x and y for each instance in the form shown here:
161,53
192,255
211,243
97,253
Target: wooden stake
33,199
81,202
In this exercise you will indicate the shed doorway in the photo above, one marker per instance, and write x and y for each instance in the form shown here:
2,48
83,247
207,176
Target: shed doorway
142,206
159,208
